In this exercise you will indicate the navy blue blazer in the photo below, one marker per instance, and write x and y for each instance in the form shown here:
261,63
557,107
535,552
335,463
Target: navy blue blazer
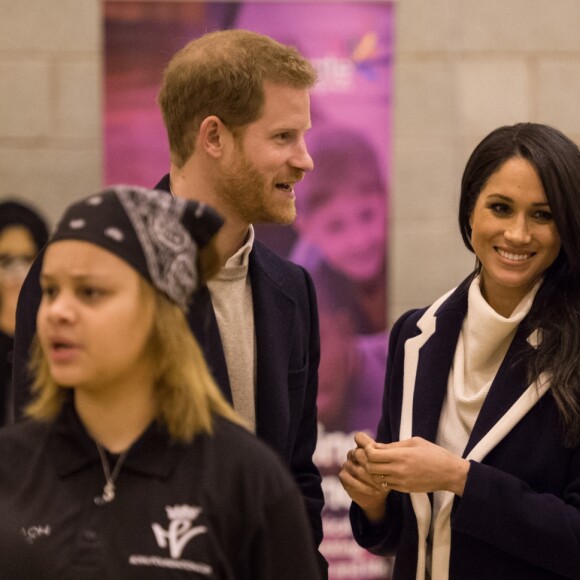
519,516
288,353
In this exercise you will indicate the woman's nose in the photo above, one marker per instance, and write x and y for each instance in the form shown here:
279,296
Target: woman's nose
60,309
518,231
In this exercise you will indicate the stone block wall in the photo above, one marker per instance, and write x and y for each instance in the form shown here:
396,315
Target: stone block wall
462,68
50,100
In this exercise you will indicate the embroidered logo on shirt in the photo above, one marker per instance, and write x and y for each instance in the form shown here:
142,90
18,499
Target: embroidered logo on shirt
176,537
180,530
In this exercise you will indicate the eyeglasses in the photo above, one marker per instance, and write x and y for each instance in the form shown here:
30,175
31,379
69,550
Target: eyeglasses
15,264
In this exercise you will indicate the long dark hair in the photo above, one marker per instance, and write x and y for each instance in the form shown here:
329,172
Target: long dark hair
556,309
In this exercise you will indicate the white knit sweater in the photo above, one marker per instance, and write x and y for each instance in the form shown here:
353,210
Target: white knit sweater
482,345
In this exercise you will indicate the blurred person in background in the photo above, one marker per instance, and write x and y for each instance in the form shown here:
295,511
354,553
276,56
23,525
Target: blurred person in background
23,233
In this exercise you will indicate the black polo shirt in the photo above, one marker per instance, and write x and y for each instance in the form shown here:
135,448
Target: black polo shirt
223,506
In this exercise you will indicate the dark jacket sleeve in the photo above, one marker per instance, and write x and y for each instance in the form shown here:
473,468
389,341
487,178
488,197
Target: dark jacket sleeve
502,510
522,497
301,463
28,302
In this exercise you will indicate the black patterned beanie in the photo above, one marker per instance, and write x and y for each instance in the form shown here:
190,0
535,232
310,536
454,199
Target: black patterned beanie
157,234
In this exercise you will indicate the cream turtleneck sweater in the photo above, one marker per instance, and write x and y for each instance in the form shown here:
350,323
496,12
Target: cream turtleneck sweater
482,345
231,296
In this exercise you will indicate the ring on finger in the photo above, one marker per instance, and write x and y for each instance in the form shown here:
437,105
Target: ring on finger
384,483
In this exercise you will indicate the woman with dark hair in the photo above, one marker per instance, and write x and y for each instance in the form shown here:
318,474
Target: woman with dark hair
23,233
475,472
132,464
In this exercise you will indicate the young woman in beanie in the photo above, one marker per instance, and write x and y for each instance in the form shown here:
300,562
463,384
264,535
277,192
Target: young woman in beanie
132,464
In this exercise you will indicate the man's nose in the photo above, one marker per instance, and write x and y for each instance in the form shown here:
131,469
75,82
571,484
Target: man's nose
301,158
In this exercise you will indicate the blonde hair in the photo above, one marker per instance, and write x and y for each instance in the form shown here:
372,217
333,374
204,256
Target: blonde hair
223,73
186,394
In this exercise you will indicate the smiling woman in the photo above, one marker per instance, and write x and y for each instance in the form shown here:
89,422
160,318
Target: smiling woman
481,410
513,234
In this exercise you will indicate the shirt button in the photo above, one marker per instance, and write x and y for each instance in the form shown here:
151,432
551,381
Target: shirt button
89,536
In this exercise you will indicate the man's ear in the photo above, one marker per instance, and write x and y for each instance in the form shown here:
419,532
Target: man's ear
212,136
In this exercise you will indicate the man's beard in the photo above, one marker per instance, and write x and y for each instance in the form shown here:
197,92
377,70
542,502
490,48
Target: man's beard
246,192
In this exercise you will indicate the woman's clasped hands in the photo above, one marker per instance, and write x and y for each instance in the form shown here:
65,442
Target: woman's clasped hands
372,470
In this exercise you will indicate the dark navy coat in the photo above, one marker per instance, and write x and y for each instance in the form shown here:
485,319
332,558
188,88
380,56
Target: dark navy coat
519,516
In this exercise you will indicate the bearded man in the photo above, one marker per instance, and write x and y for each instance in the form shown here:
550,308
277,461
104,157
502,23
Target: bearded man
236,106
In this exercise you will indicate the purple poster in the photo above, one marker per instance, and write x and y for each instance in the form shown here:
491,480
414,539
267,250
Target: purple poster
340,235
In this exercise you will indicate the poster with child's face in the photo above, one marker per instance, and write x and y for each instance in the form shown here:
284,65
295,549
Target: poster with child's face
340,234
